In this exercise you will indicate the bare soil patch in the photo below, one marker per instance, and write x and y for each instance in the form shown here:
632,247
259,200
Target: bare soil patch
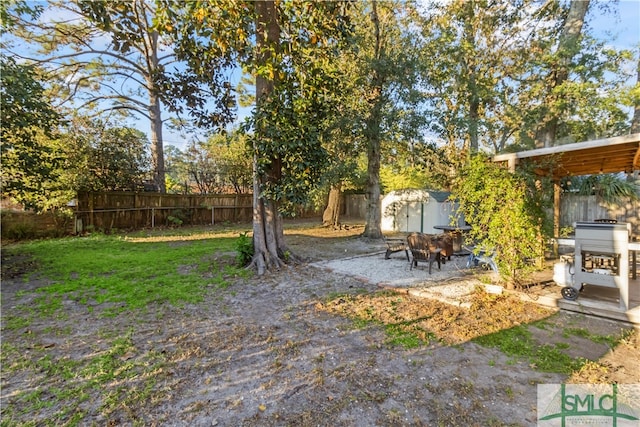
284,349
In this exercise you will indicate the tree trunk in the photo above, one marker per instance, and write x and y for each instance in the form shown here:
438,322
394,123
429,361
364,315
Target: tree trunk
635,122
157,146
474,118
373,216
567,49
331,215
472,87
155,116
270,250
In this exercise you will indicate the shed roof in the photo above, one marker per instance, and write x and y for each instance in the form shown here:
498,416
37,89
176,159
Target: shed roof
610,155
419,194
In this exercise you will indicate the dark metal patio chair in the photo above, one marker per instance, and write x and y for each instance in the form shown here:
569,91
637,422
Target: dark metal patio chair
424,249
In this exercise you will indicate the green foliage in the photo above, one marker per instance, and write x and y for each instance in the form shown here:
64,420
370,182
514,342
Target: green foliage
135,74
102,157
292,120
412,177
221,164
244,249
233,161
30,160
608,188
43,166
506,214
16,7
285,144
415,165
288,125
175,219
491,85
421,166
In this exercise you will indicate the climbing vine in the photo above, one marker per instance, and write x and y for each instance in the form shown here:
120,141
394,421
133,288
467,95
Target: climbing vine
506,213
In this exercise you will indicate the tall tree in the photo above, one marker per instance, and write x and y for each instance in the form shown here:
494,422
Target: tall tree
502,74
568,47
372,129
30,159
635,122
386,110
286,46
578,83
475,54
133,73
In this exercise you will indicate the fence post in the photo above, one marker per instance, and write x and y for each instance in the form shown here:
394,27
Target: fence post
91,220
212,216
153,217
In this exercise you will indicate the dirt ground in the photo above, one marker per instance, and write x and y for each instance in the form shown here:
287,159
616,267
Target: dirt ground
283,350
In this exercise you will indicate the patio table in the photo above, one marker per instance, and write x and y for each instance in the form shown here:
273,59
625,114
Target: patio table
456,236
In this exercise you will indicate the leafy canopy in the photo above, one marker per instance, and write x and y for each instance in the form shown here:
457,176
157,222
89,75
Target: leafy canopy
215,37
29,160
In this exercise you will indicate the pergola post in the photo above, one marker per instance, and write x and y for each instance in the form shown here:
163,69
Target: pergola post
557,191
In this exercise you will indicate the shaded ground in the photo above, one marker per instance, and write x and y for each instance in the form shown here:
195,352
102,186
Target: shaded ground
284,350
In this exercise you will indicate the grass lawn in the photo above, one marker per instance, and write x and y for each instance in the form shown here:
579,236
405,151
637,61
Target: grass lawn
117,329
133,271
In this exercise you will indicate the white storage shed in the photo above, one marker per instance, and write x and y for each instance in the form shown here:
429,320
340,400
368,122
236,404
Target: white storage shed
418,210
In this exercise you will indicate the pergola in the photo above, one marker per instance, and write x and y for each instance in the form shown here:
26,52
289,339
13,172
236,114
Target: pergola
610,155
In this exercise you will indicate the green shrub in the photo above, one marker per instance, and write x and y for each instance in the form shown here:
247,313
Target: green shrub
506,213
176,218
244,248
19,231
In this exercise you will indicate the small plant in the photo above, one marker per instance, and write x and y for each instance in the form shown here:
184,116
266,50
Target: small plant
244,249
567,231
177,218
398,336
175,221
509,392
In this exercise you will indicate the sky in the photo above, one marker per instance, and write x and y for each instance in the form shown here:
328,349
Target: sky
621,26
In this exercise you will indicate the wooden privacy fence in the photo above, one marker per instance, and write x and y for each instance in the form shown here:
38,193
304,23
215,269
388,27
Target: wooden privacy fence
574,208
130,210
